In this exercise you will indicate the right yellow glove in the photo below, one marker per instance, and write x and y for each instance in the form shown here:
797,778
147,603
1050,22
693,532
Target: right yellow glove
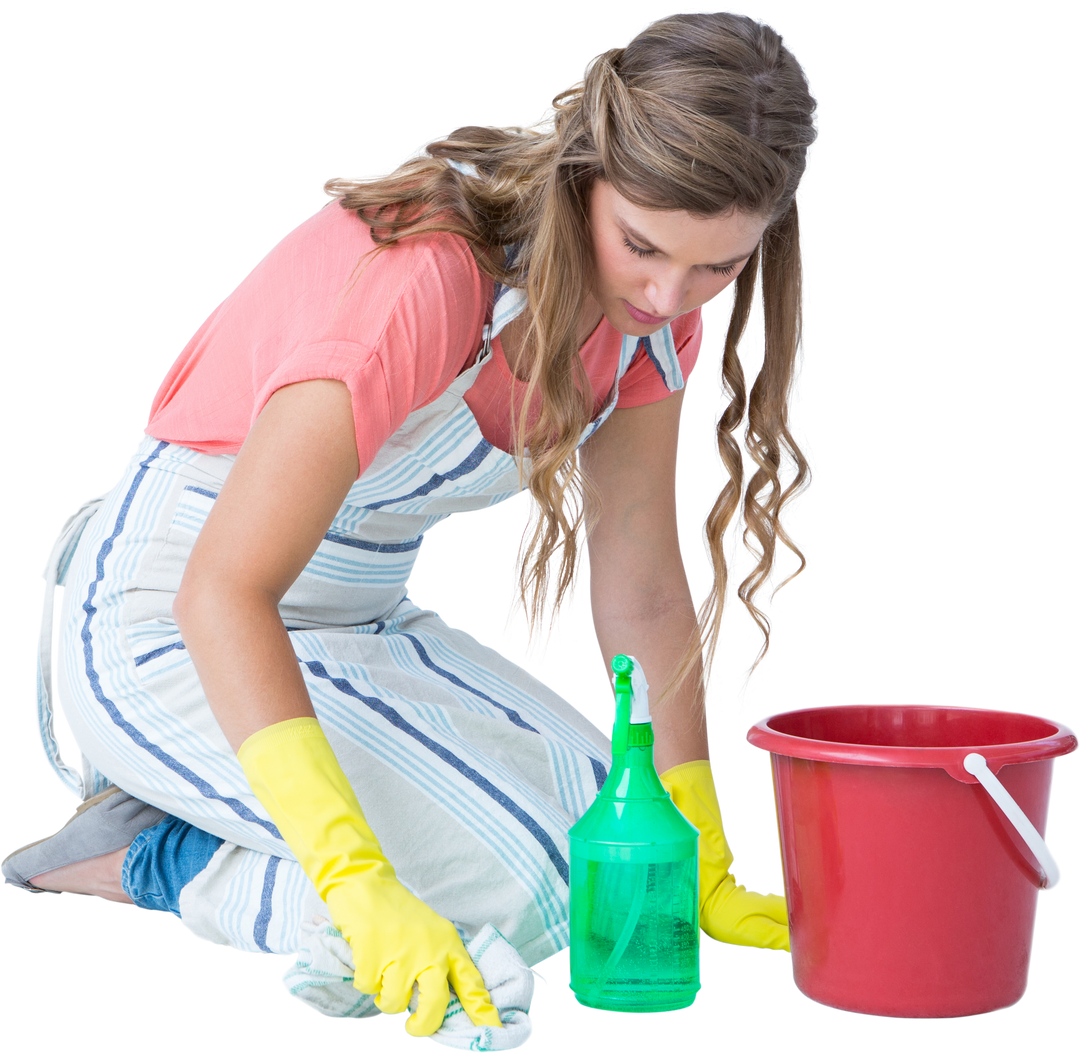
396,939
727,911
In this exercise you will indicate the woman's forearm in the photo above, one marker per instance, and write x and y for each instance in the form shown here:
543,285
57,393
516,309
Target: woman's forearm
657,629
244,659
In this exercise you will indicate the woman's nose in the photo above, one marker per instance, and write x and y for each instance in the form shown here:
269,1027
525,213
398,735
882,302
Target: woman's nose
666,295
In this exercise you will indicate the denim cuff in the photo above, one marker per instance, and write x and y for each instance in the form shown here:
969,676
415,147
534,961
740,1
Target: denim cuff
162,860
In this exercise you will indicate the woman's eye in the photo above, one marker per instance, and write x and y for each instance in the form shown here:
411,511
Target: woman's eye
634,248
651,252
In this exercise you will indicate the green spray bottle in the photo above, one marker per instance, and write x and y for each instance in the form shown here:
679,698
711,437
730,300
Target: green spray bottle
633,876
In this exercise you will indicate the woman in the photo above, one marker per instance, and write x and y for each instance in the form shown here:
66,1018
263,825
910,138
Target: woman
239,653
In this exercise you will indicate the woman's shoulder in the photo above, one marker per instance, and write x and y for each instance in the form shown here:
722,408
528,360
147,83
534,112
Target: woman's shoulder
342,223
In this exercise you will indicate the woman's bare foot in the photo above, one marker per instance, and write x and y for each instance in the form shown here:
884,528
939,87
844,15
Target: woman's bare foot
99,876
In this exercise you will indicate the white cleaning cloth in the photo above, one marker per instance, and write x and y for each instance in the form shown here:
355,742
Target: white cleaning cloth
322,976
509,982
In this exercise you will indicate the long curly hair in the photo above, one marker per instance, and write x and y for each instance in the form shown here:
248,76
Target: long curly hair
705,113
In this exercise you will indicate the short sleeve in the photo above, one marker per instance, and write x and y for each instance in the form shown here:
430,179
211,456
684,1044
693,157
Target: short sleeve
394,325
401,334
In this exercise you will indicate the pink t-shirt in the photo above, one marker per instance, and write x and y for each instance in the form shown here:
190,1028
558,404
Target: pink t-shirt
396,328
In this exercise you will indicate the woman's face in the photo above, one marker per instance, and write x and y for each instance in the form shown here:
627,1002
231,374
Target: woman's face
652,266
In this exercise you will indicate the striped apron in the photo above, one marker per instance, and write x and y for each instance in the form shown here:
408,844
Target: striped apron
469,770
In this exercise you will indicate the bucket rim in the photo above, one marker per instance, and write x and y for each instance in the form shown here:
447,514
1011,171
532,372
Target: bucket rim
1060,742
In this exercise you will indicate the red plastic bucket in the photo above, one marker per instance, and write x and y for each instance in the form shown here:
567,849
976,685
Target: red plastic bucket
910,891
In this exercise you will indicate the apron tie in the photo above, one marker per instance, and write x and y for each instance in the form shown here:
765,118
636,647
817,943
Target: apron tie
52,575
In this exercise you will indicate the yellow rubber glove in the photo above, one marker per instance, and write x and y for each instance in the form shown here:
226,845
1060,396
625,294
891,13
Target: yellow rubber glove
727,911
396,939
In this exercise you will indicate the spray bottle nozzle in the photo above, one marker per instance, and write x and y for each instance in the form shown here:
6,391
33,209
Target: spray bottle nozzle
633,726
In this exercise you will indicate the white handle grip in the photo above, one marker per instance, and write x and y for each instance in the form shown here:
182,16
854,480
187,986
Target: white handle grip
975,763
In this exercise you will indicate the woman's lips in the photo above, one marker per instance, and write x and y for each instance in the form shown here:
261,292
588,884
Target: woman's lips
642,316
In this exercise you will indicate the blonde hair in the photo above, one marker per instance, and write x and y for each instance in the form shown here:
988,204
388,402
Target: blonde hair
705,113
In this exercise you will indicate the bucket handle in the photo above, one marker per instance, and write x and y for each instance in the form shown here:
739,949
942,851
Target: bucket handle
975,763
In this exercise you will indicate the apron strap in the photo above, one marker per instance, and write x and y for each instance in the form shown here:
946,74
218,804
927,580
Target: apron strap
87,783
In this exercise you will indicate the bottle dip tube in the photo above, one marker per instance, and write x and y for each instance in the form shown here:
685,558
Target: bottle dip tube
633,876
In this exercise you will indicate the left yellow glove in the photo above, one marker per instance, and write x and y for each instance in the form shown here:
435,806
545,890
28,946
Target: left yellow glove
397,939
727,911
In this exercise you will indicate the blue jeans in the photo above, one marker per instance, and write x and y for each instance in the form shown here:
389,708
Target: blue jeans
162,860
